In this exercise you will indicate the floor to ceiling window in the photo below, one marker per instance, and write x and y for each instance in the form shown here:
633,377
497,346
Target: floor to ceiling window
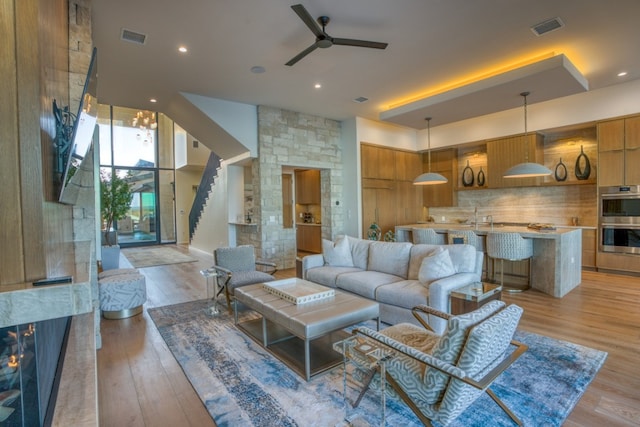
137,145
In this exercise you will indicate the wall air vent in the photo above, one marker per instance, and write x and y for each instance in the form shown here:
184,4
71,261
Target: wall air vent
547,26
360,99
133,37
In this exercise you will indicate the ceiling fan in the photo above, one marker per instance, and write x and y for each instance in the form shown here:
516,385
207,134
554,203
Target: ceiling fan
324,40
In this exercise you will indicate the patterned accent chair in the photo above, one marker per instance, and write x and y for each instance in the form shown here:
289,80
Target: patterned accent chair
438,377
237,267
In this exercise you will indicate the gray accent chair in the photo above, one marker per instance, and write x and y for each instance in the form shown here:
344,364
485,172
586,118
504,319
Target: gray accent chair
238,266
439,376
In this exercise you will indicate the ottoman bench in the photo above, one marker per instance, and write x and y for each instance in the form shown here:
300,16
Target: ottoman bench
122,295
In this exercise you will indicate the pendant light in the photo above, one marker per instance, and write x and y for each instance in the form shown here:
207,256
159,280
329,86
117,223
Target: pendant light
526,169
429,178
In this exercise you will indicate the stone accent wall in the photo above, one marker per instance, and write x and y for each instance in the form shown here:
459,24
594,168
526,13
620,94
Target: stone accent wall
287,138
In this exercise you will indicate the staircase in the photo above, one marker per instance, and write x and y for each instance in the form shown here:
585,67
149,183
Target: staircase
204,188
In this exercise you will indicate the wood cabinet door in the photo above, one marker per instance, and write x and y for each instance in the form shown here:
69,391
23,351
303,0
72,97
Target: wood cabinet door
504,153
377,162
440,195
379,206
611,135
409,203
632,166
611,168
308,187
408,165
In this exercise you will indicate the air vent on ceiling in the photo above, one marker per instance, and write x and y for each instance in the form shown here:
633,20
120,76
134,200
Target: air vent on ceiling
360,99
547,26
133,37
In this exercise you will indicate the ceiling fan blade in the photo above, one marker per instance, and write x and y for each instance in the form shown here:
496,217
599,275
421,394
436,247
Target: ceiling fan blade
359,43
302,54
308,20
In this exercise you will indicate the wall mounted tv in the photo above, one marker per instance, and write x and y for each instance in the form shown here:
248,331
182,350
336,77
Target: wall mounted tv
72,146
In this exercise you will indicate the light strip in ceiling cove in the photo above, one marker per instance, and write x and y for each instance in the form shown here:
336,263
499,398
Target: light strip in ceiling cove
546,79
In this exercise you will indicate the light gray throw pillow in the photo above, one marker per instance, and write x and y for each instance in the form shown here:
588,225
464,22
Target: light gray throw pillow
337,254
436,265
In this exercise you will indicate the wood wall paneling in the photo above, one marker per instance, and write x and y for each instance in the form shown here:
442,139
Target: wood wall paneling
12,253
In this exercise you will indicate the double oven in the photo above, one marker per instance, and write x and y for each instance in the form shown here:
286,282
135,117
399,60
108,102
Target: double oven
619,221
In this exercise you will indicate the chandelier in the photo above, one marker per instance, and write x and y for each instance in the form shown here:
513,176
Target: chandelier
145,119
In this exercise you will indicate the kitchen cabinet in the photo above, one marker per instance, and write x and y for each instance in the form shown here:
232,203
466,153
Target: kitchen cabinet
443,162
504,153
308,187
408,202
377,162
589,248
309,238
378,204
619,152
408,165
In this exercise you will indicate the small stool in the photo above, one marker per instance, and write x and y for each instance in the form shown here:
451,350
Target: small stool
122,295
510,247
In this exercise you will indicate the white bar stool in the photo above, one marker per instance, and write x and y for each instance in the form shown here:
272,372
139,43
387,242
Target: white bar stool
510,247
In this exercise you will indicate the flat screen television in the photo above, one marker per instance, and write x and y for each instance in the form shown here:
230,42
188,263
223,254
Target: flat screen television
71,153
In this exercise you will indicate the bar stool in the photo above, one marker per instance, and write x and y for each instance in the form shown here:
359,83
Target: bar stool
470,238
510,247
425,236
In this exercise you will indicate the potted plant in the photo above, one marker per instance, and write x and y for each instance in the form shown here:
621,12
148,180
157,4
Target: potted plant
115,200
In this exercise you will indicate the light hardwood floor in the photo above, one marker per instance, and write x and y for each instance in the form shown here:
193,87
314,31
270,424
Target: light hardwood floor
141,384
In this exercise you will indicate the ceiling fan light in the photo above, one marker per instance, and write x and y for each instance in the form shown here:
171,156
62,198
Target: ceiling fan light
430,178
527,170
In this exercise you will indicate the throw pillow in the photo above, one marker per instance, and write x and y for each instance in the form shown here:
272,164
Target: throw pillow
436,265
337,254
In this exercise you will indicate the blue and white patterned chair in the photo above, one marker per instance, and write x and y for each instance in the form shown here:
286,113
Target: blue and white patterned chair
423,235
439,376
238,266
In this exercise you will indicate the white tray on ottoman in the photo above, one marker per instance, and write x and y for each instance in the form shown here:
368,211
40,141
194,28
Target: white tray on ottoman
298,291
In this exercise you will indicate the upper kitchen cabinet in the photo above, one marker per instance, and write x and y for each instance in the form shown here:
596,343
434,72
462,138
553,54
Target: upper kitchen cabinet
377,162
408,165
308,187
507,152
619,152
443,162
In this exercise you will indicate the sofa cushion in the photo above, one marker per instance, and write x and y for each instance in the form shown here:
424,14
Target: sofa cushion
390,257
463,257
365,283
337,254
405,293
359,251
435,266
328,275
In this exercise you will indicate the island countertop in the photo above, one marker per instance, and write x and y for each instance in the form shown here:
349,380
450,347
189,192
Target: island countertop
557,254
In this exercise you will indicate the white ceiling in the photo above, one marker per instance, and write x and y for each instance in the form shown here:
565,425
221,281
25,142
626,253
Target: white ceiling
431,43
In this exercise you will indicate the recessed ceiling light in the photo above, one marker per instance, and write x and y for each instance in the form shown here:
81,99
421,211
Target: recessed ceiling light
258,69
183,49
153,100
622,74
317,85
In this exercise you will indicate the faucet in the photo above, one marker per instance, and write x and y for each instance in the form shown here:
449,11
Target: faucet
490,219
475,217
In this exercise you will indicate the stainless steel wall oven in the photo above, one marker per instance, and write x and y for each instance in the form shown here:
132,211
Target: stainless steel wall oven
619,219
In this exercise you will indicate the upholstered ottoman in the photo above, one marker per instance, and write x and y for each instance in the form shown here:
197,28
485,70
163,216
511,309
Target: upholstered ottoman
122,295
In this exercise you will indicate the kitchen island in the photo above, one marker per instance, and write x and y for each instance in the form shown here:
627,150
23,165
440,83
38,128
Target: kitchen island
557,254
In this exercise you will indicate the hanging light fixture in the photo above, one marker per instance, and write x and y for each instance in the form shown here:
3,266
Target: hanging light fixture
526,169
429,178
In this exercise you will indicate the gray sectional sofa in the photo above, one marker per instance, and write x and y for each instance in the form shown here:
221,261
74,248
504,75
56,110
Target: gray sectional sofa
398,275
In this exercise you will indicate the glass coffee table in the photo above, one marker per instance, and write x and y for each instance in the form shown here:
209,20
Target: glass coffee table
473,296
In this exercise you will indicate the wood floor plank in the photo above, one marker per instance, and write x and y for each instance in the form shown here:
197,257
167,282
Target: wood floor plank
141,384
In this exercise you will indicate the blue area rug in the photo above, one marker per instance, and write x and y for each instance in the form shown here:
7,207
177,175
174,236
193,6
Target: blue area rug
243,385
